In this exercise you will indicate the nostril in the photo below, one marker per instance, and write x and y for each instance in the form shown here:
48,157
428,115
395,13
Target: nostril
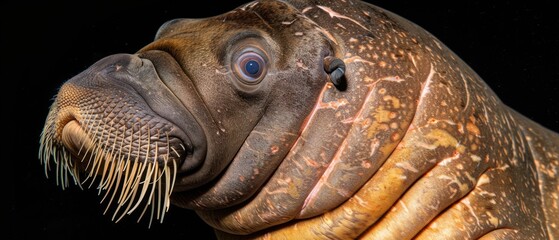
118,64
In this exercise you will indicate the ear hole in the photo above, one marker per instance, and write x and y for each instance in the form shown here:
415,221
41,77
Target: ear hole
335,68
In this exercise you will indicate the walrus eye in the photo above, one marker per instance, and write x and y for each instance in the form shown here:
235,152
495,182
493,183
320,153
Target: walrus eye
250,67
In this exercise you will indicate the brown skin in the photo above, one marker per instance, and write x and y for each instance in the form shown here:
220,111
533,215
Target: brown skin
416,145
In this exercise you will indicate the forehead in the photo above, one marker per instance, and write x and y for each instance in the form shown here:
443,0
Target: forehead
269,16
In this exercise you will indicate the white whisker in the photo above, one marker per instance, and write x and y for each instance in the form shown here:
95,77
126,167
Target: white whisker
131,170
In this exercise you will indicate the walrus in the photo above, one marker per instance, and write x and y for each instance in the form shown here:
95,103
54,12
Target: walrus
306,120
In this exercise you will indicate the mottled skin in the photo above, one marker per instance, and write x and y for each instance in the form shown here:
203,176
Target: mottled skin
416,146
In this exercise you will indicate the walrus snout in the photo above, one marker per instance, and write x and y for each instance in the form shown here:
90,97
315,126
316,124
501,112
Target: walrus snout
100,124
106,95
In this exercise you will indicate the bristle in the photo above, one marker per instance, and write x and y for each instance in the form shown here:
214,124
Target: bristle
125,182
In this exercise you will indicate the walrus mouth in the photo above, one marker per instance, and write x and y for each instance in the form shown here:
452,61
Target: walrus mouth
130,152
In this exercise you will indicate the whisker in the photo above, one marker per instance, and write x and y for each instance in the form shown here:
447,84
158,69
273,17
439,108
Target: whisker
133,172
120,169
148,176
175,151
97,162
159,194
107,184
116,185
99,159
130,202
93,160
147,184
94,140
134,177
109,163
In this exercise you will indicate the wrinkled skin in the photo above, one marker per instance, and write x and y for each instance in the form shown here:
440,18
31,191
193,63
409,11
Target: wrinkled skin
236,117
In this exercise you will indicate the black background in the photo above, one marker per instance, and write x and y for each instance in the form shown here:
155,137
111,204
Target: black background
513,46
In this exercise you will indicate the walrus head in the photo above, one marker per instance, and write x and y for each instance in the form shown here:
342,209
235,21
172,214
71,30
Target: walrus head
200,117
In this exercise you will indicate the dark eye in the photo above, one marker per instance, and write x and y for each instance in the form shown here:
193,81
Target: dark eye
250,67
